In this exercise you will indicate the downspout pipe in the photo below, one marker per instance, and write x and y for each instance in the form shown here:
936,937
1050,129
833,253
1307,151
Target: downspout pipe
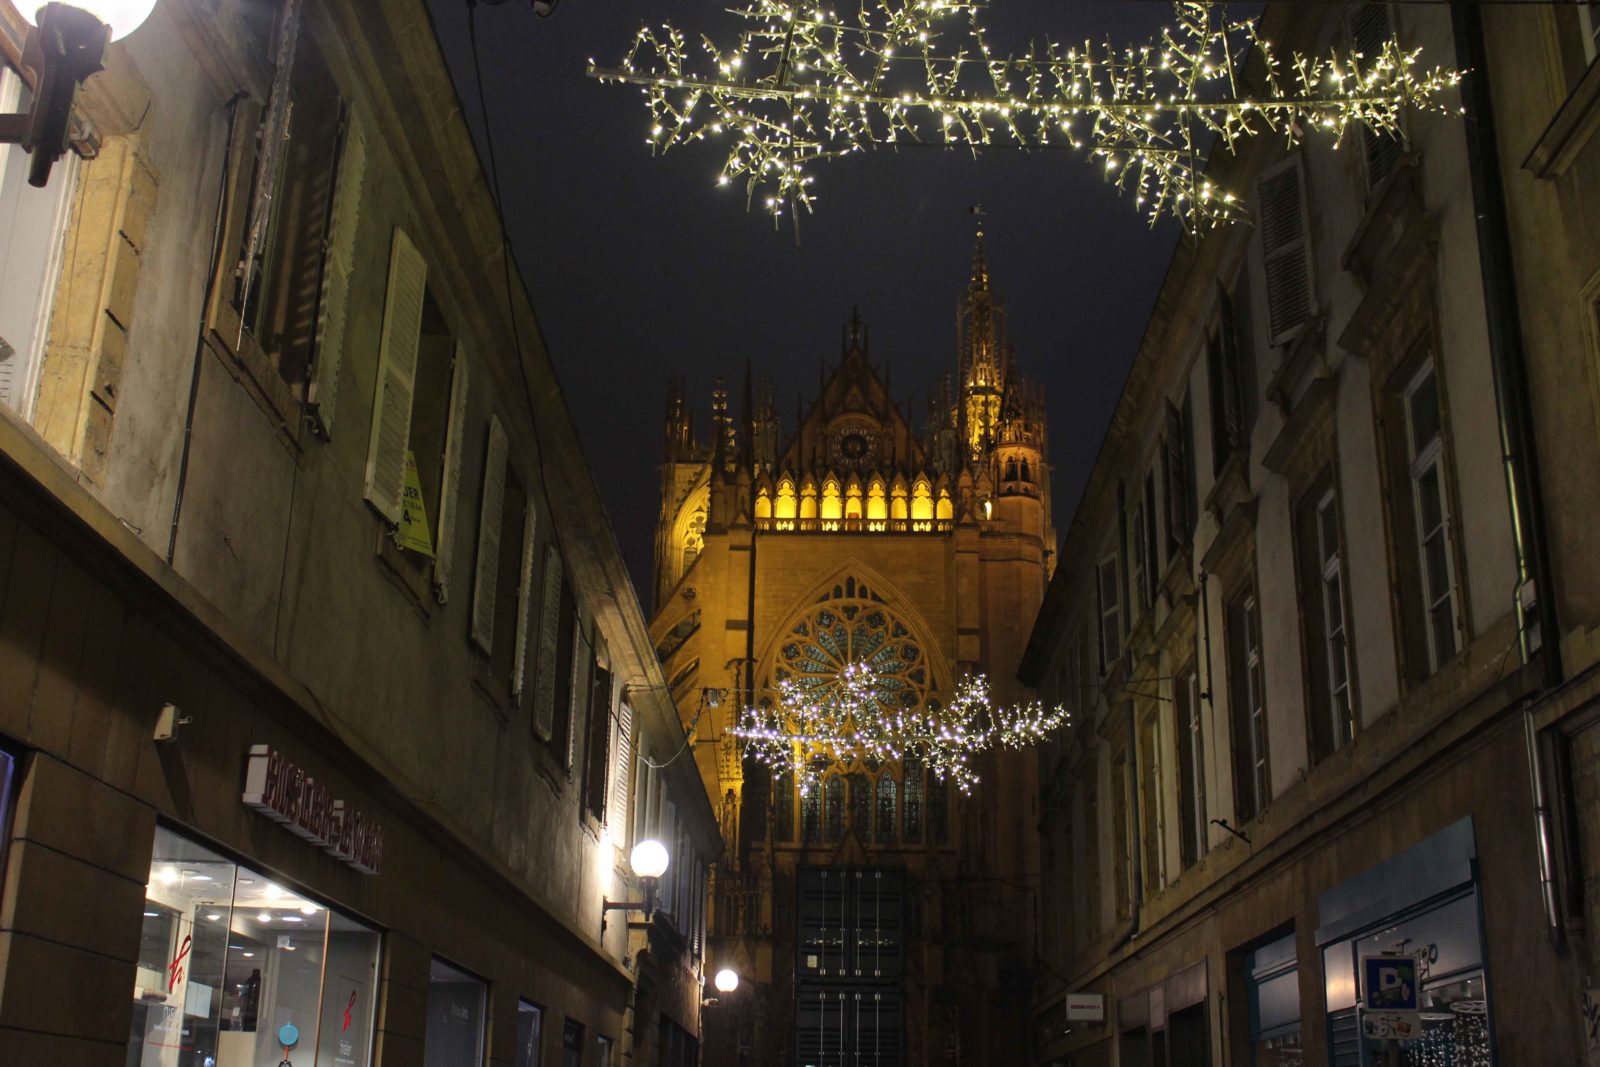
1514,411
1513,406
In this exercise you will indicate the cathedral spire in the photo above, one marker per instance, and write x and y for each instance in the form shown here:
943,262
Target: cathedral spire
980,262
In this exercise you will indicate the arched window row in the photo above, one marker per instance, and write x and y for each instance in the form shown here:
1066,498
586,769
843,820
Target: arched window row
877,506
908,806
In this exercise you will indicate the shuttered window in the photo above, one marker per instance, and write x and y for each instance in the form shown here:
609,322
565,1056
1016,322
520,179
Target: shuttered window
1370,29
621,769
1175,449
491,510
450,492
544,684
597,743
524,630
1285,247
396,379
578,695
334,299
1109,598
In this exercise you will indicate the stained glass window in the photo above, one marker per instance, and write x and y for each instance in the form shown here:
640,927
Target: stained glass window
811,815
833,807
861,805
887,831
783,804
938,810
913,799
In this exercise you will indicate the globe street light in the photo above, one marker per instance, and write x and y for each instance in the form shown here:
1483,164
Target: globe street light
727,980
649,862
66,46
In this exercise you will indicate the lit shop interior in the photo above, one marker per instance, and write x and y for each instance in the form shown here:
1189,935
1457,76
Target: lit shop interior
236,970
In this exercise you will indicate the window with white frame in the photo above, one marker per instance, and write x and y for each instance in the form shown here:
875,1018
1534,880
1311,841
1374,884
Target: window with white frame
1191,767
33,223
1109,597
1589,25
1152,801
1247,700
1336,645
1139,563
1431,510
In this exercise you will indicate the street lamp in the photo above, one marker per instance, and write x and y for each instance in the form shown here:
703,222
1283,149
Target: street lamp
65,47
649,863
727,980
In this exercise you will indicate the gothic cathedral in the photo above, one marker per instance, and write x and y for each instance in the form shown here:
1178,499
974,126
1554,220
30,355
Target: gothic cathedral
882,918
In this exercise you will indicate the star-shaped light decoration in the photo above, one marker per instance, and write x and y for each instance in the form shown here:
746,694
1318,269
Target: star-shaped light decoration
804,84
808,729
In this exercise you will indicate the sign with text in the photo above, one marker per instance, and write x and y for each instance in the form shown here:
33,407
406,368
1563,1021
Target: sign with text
1389,983
278,788
1086,1008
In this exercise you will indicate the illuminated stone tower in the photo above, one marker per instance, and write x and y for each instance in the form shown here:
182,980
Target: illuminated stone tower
858,537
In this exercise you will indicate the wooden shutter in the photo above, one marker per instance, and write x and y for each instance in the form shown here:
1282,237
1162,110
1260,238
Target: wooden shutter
491,514
621,768
333,302
544,697
397,377
450,494
578,693
1178,522
1285,247
519,669
1370,30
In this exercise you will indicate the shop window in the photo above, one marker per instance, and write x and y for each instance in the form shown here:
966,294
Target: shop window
1445,943
32,225
231,964
1272,984
571,1044
454,1035
530,1030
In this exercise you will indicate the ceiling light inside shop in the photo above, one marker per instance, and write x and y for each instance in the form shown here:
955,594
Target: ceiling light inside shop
264,917
167,876
212,916
272,891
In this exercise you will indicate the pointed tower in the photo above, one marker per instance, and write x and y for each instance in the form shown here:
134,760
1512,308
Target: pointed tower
684,473
983,361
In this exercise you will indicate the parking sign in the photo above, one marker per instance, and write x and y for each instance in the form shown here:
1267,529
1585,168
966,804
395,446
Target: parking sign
1389,983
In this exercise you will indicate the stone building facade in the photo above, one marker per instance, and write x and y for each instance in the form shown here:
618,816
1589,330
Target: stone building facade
1326,608
322,682
855,537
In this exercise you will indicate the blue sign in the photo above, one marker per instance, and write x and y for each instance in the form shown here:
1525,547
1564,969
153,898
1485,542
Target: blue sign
1389,983
288,1035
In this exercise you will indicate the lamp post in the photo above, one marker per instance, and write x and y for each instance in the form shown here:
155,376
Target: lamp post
649,863
65,47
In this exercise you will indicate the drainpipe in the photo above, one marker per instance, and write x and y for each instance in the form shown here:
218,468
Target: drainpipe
214,264
1515,414
1513,407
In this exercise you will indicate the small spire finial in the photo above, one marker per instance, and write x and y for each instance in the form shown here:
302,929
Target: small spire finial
980,263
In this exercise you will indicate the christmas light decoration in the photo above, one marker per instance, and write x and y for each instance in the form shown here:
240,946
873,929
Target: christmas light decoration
810,728
804,85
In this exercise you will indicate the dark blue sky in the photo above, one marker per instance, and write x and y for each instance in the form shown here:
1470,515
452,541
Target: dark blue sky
642,269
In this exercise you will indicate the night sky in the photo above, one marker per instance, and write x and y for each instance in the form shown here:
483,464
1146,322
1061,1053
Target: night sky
642,269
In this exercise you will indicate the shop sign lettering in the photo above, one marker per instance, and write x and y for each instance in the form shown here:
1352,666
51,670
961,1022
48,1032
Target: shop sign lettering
278,788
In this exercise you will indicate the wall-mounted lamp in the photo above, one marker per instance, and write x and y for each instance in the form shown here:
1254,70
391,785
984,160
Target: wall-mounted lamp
726,981
65,47
649,863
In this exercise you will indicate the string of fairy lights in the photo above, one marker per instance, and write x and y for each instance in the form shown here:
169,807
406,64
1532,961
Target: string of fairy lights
804,85
809,728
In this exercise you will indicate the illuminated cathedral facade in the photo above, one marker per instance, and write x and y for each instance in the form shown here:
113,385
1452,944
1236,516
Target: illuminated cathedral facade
881,915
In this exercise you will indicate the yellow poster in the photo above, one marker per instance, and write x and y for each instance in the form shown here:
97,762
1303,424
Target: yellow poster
413,531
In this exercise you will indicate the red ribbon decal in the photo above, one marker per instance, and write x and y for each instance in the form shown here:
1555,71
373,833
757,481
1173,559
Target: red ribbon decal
175,968
348,1008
